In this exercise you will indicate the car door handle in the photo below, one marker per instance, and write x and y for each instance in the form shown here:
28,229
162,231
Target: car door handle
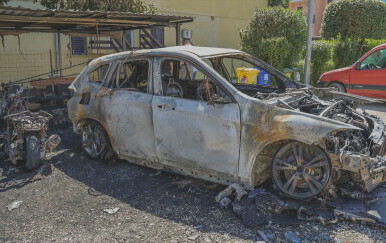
166,107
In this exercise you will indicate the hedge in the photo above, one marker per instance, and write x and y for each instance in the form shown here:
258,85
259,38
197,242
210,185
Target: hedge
321,56
355,19
347,52
273,50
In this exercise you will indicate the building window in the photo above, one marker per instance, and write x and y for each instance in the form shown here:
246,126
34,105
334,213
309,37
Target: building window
78,45
300,8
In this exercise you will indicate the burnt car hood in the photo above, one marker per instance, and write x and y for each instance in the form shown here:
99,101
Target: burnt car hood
329,93
339,110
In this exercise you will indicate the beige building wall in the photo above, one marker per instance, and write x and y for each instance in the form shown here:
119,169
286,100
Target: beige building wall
217,22
32,54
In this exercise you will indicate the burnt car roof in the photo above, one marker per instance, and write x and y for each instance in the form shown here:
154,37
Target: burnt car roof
195,50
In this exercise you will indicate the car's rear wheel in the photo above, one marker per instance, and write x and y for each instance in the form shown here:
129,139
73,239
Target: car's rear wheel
95,142
338,86
300,170
33,159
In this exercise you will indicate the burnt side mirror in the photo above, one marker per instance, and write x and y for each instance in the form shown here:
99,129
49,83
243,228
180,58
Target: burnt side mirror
220,100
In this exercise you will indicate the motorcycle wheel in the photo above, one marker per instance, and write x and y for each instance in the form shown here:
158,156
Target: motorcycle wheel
33,160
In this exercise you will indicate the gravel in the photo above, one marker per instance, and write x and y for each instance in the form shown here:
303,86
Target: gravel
69,205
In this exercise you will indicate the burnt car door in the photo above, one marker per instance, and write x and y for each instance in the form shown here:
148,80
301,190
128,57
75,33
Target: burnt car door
196,125
126,108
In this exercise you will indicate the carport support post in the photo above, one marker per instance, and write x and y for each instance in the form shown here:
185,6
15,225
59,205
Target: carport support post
178,37
58,54
307,65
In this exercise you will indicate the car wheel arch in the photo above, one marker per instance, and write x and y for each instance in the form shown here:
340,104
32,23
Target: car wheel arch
337,82
262,161
80,123
262,165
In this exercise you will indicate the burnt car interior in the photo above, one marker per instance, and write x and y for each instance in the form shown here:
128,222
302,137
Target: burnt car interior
98,74
183,80
266,84
131,75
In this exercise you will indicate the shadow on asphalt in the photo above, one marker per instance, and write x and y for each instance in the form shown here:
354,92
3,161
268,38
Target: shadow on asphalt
149,190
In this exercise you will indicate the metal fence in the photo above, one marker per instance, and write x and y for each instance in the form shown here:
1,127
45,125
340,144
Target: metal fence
27,66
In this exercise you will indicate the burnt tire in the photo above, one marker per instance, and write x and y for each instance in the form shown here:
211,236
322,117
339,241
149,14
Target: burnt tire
300,170
96,143
338,86
33,158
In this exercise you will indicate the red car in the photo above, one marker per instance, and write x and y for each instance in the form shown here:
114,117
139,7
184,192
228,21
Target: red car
367,77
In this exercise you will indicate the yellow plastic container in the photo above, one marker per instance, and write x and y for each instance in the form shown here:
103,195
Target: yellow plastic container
247,75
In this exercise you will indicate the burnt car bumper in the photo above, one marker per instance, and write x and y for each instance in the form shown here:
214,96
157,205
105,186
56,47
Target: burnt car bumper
372,167
372,170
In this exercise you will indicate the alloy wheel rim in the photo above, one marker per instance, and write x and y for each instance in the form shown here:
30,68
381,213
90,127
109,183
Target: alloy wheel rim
93,140
300,170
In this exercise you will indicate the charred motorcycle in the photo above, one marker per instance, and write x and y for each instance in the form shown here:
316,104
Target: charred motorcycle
12,101
24,137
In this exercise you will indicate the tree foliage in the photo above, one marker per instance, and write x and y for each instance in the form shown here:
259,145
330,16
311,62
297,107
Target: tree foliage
132,6
290,26
282,3
355,19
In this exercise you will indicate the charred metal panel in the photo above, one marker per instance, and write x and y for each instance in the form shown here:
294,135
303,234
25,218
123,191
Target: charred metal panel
128,114
197,132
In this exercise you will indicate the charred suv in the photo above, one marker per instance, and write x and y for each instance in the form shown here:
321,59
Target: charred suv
225,116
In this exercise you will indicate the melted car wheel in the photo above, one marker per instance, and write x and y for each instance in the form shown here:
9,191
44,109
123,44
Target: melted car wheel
301,171
94,140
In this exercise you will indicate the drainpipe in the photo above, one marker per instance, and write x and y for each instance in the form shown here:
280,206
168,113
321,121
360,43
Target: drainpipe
58,54
307,65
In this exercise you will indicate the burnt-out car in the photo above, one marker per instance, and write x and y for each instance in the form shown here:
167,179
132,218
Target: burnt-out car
186,109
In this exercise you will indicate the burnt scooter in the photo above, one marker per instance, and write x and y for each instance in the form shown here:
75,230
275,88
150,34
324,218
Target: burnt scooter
23,134
12,101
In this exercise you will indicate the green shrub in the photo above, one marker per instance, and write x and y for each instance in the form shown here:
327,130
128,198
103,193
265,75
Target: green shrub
321,57
271,23
347,52
355,19
273,50
370,44
282,3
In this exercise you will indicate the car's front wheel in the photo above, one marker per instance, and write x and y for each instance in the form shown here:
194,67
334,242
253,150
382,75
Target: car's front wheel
338,86
95,142
300,170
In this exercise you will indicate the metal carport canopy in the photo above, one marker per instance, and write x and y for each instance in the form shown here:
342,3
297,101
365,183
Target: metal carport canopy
14,20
